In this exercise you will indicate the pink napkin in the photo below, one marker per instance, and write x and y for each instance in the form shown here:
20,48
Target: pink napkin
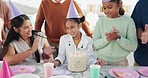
5,72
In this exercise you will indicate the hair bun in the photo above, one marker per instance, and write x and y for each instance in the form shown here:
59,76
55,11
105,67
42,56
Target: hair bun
82,19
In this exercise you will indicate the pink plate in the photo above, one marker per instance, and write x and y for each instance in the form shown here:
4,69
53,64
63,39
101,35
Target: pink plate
143,71
61,76
128,73
23,69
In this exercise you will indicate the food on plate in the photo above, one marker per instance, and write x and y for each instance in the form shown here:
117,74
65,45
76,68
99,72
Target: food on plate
22,68
119,74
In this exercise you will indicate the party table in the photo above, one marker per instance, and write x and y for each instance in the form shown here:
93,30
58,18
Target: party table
86,74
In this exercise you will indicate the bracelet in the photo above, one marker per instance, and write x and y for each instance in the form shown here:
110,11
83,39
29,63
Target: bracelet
118,38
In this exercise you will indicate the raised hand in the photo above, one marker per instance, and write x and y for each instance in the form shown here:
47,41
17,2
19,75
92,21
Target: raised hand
144,35
108,38
49,50
2,43
35,44
113,35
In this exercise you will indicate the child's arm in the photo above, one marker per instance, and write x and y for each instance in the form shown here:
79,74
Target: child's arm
130,42
90,53
113,35
57,63
62,52
85,24
99,42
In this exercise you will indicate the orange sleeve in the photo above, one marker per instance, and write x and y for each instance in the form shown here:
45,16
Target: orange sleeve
85,24
6,15
8,19
39,18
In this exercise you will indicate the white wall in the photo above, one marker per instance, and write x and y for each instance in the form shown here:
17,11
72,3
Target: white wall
83,3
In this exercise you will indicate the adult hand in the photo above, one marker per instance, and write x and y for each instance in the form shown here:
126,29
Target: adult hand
139,33
35,44
144,35
49,50
2,43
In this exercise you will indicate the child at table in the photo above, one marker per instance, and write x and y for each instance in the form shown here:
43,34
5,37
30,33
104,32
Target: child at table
114,34
74,40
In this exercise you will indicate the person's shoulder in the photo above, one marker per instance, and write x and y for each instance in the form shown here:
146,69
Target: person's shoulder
65,36
103,18
39,33
127,17
87,38
15,42
45,1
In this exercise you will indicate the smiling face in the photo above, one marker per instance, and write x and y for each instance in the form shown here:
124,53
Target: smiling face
25,30
111,9
73,28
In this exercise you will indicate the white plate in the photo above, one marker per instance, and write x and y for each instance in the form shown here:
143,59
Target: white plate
27,75
61,76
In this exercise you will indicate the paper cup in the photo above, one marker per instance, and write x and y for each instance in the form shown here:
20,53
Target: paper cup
1,64
48,69
95,71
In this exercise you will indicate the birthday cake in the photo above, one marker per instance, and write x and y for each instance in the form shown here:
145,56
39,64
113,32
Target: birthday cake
77,61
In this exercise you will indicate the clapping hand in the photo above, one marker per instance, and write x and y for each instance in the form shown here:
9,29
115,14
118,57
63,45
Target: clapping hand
144,35
113,35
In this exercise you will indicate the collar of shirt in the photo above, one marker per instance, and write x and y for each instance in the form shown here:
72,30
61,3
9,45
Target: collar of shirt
58,1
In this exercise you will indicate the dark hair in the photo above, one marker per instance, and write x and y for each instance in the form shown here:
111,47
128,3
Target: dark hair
12,35
77,20
121,10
